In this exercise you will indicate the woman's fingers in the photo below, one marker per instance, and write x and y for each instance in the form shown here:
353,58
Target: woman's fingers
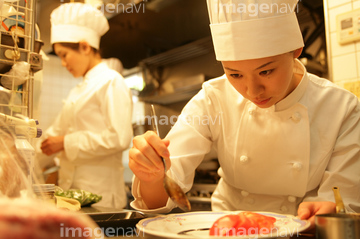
147,152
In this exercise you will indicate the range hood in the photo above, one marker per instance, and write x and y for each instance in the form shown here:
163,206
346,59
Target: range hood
161,25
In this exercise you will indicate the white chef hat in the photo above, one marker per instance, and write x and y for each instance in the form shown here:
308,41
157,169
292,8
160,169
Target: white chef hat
75,22
251,29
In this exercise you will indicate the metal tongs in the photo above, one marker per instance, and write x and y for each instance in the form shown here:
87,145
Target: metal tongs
171,187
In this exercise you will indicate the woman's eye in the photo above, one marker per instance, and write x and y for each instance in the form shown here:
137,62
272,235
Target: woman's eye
265,73
236,76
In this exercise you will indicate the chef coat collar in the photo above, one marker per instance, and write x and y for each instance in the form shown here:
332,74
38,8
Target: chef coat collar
93,72
298,92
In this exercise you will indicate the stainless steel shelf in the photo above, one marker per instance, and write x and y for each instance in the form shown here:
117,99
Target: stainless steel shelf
179,54
171,98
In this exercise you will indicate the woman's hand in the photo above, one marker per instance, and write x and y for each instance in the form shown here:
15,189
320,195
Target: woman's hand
52,145
146,163
145,157
308,210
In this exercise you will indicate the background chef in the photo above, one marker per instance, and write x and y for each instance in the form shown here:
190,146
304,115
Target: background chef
94,126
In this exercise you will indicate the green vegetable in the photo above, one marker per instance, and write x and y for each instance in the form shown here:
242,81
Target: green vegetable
84,197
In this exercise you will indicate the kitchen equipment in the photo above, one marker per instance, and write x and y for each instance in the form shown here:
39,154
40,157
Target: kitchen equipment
117,223
338,225
195,225
19,43
172,188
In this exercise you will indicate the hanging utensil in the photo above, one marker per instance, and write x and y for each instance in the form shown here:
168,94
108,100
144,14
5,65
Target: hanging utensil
172,188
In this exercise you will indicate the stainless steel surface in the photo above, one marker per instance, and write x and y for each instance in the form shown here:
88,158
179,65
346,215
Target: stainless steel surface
172,188
200,196
19,46
338,225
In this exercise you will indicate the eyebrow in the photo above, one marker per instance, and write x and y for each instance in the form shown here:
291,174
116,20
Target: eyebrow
262,66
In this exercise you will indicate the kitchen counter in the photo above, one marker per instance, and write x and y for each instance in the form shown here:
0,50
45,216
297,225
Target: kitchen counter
131,224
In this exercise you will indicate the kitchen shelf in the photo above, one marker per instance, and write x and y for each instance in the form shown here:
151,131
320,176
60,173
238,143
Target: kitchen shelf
7,44
189,51
18,43
179,54
171,98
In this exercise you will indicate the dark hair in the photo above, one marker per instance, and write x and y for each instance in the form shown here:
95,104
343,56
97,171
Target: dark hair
74,46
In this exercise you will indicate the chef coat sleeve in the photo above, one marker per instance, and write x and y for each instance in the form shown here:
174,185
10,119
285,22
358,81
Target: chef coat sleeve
116,106
56,129
343,169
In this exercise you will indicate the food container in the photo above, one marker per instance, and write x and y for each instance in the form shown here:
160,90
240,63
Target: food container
45,192
338,225
117,223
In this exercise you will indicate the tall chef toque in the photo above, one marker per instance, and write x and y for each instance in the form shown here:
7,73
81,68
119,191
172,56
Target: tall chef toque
74,22
251,29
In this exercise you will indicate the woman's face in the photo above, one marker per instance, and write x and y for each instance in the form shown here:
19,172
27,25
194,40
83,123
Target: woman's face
76,62
264,81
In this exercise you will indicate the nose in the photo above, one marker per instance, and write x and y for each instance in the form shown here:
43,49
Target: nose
254,87
63,62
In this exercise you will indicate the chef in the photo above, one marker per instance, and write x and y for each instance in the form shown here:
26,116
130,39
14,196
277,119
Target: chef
94,126
283,136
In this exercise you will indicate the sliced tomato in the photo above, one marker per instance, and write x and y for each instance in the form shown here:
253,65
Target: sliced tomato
263,223
244,223
225,226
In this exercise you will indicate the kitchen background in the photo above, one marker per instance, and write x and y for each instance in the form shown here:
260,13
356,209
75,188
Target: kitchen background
167,45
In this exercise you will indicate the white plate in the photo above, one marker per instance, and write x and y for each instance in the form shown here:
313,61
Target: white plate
196,225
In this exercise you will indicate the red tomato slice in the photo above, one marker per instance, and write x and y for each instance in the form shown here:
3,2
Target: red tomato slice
264,223
244,223
225,226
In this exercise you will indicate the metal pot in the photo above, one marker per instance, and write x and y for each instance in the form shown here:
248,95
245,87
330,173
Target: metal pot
340,225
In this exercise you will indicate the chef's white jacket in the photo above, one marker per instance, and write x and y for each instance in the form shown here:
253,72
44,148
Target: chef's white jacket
96,121
270,159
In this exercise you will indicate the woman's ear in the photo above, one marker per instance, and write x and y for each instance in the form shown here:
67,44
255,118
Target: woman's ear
298,52
84,47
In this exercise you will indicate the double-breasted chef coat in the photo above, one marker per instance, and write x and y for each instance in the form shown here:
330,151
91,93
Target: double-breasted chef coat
96,123
274,158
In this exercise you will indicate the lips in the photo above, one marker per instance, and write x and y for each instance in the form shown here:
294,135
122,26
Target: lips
261,102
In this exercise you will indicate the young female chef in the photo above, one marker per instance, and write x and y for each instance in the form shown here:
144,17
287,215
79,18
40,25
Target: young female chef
94,126
283,137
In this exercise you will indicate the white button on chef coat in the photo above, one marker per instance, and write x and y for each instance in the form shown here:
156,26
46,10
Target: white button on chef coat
284,208
250,201
297,166
244,159
251,111
291,199
244,193
296,117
